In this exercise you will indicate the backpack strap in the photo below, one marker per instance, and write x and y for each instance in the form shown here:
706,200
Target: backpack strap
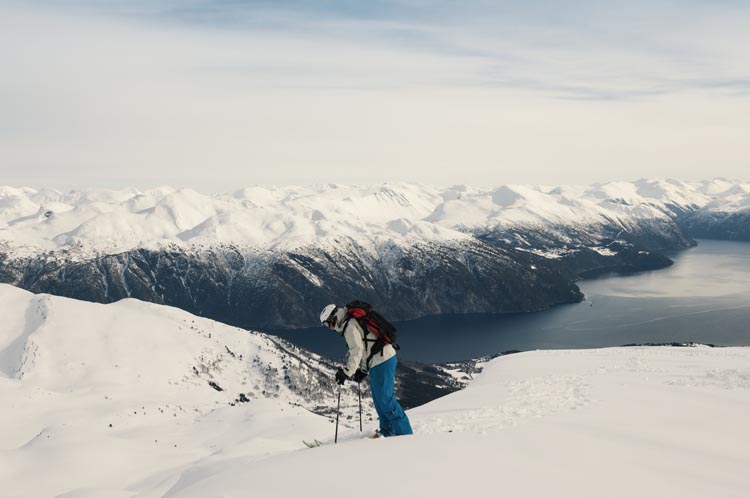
346,322
365,340
365,331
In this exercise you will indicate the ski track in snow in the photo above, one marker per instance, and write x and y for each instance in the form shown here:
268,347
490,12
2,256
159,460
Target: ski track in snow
522,401
722,378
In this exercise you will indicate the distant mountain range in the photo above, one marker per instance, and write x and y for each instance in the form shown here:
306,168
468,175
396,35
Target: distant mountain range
272,256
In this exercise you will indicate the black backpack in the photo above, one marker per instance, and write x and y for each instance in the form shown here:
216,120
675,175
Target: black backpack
371,320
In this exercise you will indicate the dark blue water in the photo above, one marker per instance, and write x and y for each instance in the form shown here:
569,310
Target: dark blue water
704,297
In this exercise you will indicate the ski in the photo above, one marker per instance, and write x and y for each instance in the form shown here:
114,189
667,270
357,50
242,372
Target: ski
312,444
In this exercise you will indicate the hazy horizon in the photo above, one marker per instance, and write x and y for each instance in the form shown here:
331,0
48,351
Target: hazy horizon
211,191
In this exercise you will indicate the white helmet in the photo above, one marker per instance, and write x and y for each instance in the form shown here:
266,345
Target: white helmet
327,312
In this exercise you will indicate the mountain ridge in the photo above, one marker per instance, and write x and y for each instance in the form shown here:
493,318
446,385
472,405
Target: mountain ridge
271,256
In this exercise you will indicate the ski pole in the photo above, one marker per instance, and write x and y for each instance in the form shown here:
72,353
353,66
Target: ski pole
338,410
359,392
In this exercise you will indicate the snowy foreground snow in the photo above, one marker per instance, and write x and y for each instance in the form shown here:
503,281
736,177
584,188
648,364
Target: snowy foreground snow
630,422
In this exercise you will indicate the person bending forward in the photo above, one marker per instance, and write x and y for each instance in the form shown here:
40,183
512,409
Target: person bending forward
381,368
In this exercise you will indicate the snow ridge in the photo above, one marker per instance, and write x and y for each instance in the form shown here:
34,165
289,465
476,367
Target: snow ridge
86,223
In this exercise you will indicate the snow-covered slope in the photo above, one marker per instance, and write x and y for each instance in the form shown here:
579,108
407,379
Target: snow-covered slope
132,387
621,422
103,401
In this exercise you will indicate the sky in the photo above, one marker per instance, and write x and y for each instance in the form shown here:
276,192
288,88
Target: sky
216,95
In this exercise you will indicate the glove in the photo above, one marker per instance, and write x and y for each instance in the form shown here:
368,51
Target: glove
359,375
341,377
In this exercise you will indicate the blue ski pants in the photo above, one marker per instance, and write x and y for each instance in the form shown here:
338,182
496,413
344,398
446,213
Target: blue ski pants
393,420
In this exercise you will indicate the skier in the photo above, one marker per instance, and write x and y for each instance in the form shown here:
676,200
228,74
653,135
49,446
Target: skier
381,368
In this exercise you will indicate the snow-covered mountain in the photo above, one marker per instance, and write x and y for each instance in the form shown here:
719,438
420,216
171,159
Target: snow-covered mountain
270,256
123,400
286,218
726,216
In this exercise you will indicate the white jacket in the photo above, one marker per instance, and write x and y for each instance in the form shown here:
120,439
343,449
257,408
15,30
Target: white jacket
359,350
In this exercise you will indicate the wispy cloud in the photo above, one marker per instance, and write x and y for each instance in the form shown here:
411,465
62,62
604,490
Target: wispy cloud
271,91
618,50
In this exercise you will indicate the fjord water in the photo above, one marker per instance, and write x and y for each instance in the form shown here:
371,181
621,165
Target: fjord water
703,297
